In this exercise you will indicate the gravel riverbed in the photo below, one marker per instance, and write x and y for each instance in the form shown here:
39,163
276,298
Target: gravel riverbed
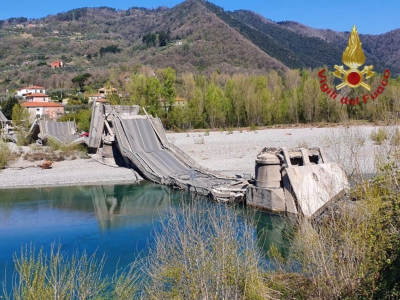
225,152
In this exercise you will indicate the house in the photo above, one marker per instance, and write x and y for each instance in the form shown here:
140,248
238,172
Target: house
99,101
57,64
179,102
108,91
37,97
94,97
33,89
48,109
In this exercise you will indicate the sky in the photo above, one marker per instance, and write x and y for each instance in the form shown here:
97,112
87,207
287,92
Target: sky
370,16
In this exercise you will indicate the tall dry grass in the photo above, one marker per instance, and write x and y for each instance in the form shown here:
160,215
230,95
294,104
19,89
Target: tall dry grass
354,251
5,154
58,276
347,146
205,252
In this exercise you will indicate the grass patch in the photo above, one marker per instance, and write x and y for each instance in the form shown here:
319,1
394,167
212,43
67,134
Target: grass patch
395,137
57,276
253,127
66,149
303,144
379,135
5,154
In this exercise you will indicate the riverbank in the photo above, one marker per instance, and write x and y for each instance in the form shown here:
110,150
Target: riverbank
64,173
226,152
231,153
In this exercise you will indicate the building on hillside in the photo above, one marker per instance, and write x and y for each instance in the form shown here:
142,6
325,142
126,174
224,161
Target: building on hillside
99,101
50,110
33,89
94,97
179,102
37,97
108,91
57,64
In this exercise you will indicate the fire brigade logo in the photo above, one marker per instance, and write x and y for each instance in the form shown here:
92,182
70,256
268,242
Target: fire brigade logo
353,57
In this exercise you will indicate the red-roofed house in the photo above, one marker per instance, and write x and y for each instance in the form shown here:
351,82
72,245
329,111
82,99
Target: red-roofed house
94,97
57,64
101,101
37,97
52,110
34,89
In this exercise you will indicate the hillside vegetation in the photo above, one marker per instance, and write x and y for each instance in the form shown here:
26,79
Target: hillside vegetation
194,36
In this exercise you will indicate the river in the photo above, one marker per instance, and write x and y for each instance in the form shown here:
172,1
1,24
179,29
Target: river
115,220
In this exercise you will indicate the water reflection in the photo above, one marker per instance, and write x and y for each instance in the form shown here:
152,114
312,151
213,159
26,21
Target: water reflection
114,205
270,231
118,206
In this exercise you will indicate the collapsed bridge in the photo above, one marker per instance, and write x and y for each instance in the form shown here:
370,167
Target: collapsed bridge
140,140
298,181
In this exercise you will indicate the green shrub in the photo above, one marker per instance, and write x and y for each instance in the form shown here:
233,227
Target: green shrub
253,127
23,139
379,136
82,119
66,149
5,154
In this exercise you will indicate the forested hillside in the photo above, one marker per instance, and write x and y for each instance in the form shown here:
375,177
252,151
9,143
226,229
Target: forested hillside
194,36
232,68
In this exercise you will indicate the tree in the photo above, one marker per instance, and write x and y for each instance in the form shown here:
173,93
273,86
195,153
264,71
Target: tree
136,88
80,80
188,84
20,116
7,107
109,49
149,39
168,91
163,38
152,93
196,109
214,106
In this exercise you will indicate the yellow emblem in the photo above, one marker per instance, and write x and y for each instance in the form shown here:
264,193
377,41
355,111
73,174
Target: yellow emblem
353,57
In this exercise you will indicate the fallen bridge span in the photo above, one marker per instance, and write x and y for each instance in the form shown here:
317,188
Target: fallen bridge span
287,180
141,141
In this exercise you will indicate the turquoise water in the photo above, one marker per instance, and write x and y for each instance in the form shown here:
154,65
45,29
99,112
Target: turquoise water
115,220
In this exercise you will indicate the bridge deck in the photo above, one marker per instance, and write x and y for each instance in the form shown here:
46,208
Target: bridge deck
143,141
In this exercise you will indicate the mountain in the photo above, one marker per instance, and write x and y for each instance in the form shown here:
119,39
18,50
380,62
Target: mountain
194,36
383,51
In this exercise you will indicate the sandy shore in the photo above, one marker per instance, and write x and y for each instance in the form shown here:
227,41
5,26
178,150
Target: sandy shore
228,154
